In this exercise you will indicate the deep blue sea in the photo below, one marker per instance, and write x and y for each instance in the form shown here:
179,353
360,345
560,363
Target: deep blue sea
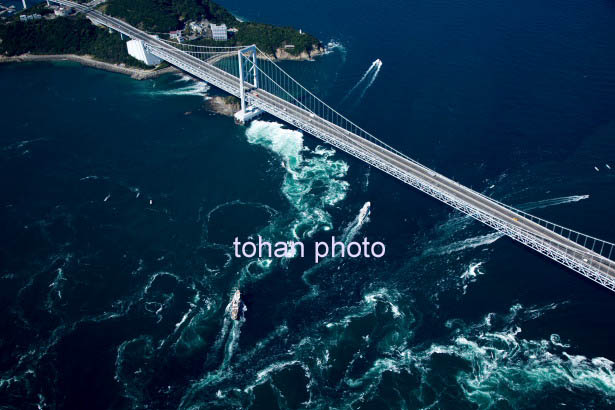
120,200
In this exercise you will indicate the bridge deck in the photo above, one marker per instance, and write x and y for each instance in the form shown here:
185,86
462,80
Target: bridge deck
510,223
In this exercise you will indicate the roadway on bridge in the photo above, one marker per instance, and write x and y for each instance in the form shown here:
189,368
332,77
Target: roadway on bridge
282,108
437,180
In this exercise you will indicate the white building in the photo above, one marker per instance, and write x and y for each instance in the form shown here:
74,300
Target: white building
218,32
176,35
30,17
137,50
197,27
61,11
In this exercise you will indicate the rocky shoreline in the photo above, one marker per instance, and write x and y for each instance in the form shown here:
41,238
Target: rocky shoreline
282,54
224,105
89,61
139,73
227,106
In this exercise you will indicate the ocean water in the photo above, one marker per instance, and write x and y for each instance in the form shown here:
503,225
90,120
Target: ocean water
19,3
109,301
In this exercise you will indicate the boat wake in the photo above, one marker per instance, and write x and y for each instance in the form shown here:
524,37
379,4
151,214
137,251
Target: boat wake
228,337
231,343
552,202
355,225
469,243
459,223
371,73
194,87
371,80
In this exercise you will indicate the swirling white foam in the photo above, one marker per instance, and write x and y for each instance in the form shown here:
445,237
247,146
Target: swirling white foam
306,170
334,45
194,88
492,364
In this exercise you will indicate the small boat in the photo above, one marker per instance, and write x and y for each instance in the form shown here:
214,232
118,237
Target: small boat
596,168
364,212
608,166
235,302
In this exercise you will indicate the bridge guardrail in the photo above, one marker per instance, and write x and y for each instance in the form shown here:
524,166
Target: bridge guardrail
589,261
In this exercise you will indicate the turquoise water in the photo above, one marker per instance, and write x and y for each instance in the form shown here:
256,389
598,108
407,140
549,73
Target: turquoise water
109,301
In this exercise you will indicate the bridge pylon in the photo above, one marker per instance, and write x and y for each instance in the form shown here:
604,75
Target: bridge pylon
264,84
248,78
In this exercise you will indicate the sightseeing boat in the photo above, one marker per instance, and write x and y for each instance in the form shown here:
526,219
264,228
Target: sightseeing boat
235,303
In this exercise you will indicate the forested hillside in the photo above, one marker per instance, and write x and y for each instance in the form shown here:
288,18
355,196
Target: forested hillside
74,35
166,15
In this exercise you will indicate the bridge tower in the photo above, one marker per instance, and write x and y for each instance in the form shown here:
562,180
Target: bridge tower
248,77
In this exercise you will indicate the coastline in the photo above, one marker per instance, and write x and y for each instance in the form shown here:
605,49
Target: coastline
223,105
216,104
281,54
139,73
89,61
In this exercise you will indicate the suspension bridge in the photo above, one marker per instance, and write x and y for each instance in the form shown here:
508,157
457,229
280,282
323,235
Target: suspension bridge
262,86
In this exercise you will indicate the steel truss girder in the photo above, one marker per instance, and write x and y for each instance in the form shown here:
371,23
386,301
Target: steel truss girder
524,237
520,235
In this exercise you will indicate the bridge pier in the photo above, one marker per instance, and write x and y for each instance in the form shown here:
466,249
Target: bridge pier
247,112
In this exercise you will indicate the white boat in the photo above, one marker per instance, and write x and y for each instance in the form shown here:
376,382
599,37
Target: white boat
364,212
235,302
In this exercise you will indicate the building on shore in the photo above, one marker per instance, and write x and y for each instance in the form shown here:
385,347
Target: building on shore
218,32
61,11
30,17
176,35
137,50
198,27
